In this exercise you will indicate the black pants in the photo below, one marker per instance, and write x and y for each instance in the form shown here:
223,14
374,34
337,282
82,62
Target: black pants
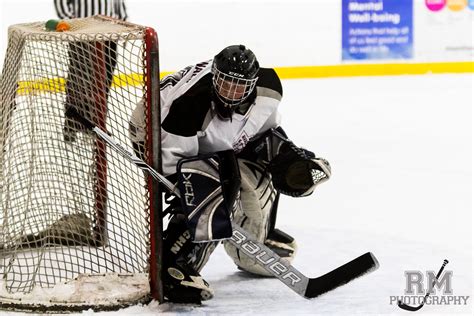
91,70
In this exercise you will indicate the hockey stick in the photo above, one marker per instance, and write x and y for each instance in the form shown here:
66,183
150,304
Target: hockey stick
264,256
294,279
415,308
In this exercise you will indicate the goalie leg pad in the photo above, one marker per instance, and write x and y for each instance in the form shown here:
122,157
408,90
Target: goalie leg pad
257,198
209,186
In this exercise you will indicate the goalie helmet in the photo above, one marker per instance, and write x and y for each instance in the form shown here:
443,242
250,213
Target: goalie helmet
234,72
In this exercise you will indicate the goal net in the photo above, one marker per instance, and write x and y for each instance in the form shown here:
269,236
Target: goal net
75,217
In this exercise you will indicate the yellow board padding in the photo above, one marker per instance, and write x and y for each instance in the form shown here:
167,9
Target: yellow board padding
59,84
298,72
353,70
123,80
43,85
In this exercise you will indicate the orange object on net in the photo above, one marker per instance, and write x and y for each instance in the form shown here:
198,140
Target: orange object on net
63,26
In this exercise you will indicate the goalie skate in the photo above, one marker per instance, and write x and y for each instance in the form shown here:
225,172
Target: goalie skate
183,284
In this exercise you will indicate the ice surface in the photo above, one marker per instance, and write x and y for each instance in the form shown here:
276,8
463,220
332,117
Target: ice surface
401,154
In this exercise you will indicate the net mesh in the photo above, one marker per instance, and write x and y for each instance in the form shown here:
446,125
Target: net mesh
69,205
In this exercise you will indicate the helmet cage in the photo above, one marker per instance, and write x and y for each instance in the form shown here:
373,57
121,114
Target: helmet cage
232,89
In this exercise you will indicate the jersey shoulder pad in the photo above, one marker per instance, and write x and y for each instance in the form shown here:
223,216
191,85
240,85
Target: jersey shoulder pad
188,112
268,78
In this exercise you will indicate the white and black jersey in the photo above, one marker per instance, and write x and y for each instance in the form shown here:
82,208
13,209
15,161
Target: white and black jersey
69,9
190,126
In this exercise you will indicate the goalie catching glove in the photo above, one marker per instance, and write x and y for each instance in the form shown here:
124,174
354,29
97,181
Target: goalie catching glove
296,171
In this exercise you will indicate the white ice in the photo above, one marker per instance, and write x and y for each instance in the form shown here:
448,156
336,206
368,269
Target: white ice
401,153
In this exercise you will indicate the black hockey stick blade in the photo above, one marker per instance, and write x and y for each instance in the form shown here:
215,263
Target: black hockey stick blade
342,275
415,308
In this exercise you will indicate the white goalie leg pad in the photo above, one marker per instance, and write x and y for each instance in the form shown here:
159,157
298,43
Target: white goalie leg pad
257,198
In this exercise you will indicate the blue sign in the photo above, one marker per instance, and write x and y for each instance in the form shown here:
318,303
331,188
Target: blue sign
377,29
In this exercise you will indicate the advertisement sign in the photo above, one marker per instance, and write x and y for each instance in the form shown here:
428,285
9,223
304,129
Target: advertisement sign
377,29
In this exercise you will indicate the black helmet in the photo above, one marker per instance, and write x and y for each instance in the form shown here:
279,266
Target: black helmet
234,71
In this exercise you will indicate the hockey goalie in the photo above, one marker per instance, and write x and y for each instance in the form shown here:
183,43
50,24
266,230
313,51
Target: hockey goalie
223,146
